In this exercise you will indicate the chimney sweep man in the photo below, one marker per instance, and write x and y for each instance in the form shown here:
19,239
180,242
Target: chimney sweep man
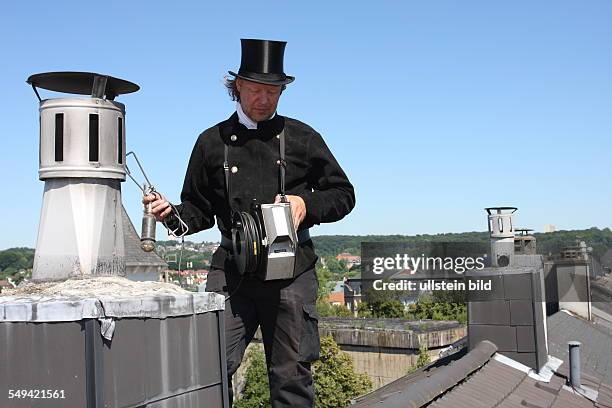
318,191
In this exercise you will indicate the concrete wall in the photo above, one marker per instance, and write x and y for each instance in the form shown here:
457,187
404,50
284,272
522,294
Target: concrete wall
386,355
383,354
385,366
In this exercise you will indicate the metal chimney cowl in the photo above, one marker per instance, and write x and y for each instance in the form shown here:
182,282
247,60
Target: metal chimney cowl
82,162
501,233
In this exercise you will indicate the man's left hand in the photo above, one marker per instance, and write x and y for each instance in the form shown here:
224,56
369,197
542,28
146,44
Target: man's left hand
298,208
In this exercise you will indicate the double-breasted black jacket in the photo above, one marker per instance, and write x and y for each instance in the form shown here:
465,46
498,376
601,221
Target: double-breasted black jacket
312,173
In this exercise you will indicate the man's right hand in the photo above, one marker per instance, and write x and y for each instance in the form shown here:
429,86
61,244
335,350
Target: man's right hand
160,207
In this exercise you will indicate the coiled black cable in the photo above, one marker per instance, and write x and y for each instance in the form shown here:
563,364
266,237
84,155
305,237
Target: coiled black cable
246,242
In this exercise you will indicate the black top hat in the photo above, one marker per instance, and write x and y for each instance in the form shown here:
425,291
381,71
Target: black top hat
262,61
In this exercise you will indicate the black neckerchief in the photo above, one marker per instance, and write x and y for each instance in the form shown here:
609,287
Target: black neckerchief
266,129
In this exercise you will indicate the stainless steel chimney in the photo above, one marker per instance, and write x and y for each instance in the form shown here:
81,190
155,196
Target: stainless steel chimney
501,233
82,162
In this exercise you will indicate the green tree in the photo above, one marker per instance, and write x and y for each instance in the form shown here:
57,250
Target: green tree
9,258
336,267
389,308
14,260
363,310
256,392
326,283
431,307
336,381
384,304
422,360
341,311
324,308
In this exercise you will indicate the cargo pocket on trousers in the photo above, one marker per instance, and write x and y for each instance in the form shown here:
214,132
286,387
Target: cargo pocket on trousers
310,344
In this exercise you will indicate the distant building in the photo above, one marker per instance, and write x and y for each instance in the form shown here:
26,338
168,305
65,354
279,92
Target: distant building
549,228
346,293
336,297
352,293
350,260
189,277
524,242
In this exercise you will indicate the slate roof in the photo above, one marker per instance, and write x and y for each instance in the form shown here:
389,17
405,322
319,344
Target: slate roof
479,379
134,255
502,386
596,349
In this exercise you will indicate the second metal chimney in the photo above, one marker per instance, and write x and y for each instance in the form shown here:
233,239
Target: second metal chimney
501,233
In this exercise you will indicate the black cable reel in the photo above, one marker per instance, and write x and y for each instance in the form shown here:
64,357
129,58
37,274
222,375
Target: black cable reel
247,236
264,240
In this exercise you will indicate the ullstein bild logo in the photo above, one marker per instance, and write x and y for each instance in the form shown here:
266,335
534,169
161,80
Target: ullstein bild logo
432,285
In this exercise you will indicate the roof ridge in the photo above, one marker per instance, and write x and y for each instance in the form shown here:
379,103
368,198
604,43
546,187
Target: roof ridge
427,389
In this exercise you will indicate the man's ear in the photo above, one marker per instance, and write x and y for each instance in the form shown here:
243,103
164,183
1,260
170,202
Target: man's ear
238,83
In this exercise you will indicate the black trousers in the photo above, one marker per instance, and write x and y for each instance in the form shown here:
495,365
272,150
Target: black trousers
286,312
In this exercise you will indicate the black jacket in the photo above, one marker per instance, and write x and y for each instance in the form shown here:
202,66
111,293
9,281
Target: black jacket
312,173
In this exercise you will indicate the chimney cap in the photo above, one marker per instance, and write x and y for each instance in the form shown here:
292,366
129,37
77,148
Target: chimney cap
82,83
500,209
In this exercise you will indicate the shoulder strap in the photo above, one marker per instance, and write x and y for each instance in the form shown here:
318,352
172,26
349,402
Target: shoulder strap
282,164
226,170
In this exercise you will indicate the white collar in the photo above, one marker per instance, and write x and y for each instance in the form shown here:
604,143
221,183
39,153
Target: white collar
245,120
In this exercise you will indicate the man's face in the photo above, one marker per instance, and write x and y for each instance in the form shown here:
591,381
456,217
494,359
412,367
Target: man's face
258,101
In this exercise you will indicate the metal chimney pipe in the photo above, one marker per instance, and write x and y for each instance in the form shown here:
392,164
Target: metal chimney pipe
574,360
501,233
82,162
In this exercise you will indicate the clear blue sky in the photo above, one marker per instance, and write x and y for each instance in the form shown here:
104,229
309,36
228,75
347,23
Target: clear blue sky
436,109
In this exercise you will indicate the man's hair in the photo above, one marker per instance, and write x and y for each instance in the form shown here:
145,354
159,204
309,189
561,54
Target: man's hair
232,89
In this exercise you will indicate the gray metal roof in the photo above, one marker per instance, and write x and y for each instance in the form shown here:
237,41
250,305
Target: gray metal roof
596,349
422,387
499,385
478,380
134,255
